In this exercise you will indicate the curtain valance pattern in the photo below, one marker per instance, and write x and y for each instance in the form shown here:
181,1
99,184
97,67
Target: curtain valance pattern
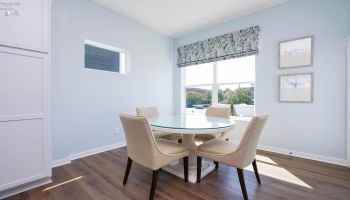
232,45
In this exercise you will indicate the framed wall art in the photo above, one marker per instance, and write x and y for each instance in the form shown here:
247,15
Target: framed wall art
296,53
296,88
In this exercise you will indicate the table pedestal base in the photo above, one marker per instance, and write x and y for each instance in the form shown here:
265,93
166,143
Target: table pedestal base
177,169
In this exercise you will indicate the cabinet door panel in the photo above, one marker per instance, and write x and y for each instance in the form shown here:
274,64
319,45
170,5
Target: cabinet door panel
21,152
24,24
21,85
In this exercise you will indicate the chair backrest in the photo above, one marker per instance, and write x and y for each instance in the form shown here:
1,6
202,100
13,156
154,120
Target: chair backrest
141,145
147,112
247,147
222,112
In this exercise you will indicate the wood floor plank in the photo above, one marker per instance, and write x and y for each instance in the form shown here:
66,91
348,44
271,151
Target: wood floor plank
68,190
100,177
60,188
114,172
94,184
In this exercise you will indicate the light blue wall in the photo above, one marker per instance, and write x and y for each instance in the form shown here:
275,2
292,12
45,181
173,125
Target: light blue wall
86,103
317,128
60,79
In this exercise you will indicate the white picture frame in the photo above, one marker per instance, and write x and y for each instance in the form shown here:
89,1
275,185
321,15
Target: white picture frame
296,88
296,53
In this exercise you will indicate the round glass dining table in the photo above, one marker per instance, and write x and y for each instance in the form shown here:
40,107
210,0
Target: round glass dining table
189,126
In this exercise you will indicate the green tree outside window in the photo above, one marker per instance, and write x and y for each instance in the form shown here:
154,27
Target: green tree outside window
193,98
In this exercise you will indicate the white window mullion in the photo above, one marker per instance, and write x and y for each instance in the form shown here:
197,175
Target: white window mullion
214,95
183,91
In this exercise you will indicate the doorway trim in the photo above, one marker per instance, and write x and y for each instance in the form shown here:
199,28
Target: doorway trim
348,107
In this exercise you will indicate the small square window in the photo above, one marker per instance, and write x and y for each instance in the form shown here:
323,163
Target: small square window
105,58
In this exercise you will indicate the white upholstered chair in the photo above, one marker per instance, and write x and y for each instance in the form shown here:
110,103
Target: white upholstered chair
153,112
222,112
145,150
239,156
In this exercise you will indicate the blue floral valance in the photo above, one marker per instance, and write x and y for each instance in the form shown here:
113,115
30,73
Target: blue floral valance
232,45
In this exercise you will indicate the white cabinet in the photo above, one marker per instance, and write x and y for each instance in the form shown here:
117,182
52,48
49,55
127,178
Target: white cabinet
25,150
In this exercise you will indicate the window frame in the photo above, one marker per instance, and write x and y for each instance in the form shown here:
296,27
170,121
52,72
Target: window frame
215,88
124,62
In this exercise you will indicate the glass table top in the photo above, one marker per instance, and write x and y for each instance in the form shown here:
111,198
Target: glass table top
193,122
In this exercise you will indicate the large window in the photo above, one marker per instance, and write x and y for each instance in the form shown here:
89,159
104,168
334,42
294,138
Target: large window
228,83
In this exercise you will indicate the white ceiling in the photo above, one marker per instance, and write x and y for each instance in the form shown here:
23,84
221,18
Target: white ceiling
175,18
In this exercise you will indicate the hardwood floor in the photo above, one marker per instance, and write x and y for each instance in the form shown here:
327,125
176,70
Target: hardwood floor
282,177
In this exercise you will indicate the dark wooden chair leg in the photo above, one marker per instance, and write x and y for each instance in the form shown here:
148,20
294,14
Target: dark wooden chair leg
180,141
216,165
241,181
128,166
154,184
199,169
256,171
186,168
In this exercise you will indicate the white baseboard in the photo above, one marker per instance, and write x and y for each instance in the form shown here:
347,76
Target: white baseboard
95,151
68,160
325,159
25,187
57,163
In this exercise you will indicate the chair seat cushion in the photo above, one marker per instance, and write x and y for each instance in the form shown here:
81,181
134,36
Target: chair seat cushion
169,147
206,137
168,136
217,146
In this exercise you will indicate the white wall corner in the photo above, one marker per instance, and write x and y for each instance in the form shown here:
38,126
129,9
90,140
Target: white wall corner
348,106
61,162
